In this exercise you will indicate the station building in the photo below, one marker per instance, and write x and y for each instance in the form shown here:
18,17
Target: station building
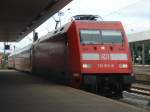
140,47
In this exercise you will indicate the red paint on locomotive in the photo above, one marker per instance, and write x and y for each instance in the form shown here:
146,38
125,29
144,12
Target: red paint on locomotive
85,48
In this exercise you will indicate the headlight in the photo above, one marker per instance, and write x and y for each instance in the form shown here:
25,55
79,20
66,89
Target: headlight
123,65
86,65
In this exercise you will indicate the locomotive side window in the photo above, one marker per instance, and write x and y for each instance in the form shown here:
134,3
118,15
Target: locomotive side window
111,36
90,36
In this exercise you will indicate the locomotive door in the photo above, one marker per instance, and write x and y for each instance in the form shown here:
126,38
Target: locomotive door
66,53
32,59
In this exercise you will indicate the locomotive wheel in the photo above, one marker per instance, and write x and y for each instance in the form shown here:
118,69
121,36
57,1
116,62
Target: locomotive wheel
114,90
76,82
127,87
118,90
105,88
72,81
33,70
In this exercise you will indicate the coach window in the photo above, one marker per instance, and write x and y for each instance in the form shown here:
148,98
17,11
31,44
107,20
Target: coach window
111,36
90,36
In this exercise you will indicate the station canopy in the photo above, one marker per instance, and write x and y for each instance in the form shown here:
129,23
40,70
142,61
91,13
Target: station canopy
20,17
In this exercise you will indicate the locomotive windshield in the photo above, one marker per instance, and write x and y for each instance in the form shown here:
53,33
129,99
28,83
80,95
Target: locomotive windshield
111,36
101,37
90,36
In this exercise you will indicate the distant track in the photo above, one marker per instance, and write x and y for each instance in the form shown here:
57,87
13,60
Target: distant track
140,90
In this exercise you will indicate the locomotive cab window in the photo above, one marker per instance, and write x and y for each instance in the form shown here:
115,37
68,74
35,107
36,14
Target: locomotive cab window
112,36
90,36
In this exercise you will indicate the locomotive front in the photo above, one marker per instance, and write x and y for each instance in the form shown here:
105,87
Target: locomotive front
105,59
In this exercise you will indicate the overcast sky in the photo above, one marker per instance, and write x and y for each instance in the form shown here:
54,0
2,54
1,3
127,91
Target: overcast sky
134,14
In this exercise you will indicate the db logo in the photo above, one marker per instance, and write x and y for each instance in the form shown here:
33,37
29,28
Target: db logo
104,57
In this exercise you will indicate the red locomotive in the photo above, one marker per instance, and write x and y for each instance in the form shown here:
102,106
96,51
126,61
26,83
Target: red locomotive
82,52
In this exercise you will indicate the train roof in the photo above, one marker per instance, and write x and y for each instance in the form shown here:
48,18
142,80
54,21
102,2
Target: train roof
60,30
97,22
64,28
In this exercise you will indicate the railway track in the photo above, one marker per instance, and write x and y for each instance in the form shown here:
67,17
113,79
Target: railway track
139,95
136,99
140,90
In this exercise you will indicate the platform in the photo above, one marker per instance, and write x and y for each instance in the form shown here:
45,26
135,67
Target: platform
20,92
142,72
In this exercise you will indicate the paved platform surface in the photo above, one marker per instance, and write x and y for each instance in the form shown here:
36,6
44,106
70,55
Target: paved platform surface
20,92
142,69
142,72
